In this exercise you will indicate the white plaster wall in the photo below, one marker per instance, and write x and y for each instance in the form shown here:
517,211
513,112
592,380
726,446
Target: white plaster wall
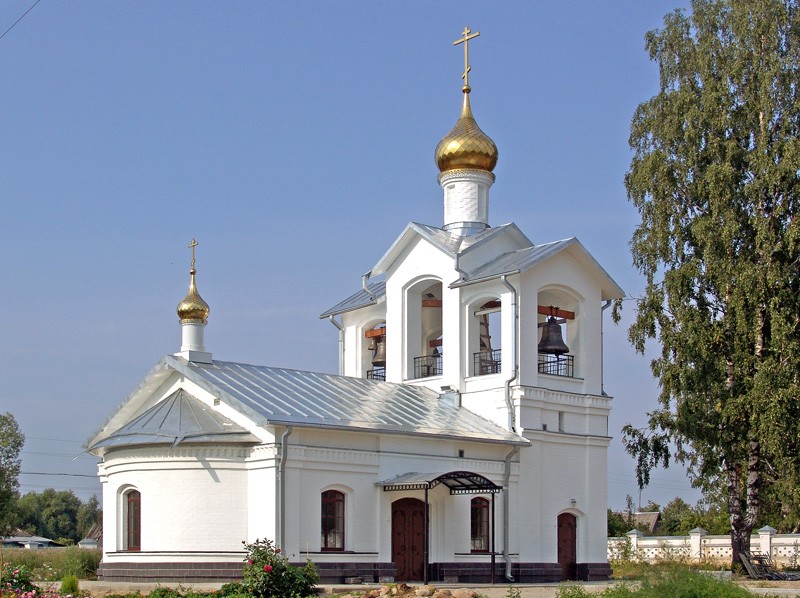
261,492
313,465
192,499
565,468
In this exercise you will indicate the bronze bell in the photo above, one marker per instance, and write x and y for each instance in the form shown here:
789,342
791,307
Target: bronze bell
552,342
378,345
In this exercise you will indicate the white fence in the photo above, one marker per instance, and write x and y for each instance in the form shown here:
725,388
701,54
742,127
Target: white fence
699,546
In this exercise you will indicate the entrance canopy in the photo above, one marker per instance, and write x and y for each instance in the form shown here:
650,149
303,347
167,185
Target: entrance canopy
459,482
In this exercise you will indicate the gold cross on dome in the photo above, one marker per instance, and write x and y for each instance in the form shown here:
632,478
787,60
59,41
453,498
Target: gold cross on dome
468,35
192,245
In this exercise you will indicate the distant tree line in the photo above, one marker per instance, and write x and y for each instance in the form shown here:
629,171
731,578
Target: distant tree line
58,515
679,517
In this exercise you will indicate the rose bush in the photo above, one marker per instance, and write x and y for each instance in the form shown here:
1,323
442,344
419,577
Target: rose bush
268,574
16,578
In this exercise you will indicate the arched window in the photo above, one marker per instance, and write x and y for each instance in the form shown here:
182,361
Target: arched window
332,520
133,520
479,525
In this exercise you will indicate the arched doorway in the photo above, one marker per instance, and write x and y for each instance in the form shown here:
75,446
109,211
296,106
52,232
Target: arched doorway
567,558
408,539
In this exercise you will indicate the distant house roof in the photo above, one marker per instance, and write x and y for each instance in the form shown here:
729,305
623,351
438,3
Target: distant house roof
24,541
277,396
647,521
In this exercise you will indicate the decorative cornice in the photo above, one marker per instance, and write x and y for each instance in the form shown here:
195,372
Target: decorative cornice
466,173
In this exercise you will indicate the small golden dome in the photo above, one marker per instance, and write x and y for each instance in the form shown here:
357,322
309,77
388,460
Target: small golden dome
466,146
193,308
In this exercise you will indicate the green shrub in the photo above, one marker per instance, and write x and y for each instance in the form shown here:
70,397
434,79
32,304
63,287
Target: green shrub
16,578
675,582
268,574
69,585
52,564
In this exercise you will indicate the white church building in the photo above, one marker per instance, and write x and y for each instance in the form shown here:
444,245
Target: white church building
464,438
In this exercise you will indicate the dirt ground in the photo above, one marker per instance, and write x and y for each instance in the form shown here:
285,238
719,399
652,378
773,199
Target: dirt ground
99,589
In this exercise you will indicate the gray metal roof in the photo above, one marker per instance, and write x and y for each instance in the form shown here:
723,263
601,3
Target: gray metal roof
358,300
178,418
523,259
309,399
514,261
448,242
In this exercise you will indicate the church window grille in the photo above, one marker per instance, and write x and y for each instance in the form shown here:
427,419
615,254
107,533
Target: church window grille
332,520
133,520
479,524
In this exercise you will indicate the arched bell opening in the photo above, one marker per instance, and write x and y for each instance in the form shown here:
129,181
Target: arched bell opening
484,334
424,342
373,350
558,341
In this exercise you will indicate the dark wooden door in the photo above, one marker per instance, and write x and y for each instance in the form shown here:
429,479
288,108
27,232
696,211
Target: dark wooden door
567,525
408,538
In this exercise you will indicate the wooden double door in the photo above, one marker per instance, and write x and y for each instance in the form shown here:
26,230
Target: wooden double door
408,539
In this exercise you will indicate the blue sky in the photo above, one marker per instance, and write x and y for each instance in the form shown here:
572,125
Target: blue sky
294,140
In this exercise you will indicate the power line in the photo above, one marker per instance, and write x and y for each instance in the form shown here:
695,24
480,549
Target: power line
19,19
73,475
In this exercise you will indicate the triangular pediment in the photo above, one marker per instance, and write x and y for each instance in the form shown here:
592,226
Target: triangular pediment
179,418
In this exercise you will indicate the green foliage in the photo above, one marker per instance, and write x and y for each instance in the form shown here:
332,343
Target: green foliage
268,574
51,513
16,578
89,514
618,524
69,585
11,442
714,178
163,592
52,564
675,582
513,592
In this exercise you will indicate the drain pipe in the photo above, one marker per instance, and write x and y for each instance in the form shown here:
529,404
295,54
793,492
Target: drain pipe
605,306
338,325
281,535
364,279
506,514
512,415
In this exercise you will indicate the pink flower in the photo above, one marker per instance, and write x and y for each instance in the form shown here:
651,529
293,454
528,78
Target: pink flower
267,568
249,561
277,551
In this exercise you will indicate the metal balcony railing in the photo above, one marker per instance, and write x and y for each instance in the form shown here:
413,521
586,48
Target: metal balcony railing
428,365
377,374
563,365
486,362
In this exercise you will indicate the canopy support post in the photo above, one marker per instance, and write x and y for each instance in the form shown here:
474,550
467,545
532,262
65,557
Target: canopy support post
493,531
425,572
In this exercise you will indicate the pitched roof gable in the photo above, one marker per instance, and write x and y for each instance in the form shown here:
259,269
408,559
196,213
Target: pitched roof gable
515,262
179,418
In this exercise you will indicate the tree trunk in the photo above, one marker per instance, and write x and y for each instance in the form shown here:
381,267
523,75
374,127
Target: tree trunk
744,502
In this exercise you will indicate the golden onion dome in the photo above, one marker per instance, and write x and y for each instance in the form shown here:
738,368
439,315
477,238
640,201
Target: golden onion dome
466,146
193,308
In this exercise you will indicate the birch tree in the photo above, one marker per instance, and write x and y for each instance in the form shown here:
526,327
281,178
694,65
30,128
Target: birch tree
715,181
